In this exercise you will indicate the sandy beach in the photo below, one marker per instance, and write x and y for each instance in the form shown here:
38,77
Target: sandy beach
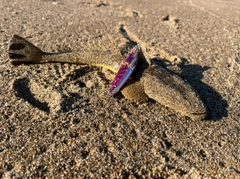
57,120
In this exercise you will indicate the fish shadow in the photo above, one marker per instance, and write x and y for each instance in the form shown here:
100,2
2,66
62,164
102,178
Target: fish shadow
216,106
22,90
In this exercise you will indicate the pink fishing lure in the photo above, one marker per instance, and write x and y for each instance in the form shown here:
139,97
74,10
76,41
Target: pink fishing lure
125,70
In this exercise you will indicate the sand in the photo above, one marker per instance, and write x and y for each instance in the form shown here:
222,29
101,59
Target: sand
58,121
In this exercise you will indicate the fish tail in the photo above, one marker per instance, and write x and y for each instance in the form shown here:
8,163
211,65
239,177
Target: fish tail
20,50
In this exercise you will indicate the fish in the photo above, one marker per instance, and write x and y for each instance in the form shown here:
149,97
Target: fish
147,80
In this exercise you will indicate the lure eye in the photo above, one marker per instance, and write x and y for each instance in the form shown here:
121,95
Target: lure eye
112,89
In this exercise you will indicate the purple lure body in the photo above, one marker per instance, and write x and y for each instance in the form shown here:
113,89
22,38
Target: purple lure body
125,70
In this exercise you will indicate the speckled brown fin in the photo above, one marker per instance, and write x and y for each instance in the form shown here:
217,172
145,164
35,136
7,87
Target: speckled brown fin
133,90
172,91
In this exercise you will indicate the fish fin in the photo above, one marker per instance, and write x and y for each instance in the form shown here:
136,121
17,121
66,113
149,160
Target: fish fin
134,91
20,50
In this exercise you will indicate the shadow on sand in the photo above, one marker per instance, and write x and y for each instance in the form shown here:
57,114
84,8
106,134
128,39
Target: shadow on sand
22,90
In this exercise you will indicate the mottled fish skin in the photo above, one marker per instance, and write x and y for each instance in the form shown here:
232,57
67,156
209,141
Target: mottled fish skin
125,70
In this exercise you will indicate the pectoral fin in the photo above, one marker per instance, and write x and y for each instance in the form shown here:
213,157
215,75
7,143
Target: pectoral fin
173,92
134,91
